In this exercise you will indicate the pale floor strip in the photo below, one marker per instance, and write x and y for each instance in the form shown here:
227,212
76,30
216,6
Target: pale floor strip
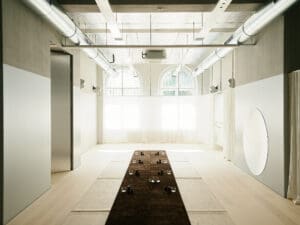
87,218
184,169
114,170
100,196
189,178
209,218
90,210
197,196
246,200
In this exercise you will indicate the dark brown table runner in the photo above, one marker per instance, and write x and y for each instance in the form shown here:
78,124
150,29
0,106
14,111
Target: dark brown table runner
148,194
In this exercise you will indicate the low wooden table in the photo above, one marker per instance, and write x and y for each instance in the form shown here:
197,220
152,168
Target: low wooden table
148,194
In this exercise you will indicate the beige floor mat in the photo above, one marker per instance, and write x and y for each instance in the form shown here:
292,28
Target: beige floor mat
210,218
177,157
122,156
86,218
114,170
197,196
184,170
100,196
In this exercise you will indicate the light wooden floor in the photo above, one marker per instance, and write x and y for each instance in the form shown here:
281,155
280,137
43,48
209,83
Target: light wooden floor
246,200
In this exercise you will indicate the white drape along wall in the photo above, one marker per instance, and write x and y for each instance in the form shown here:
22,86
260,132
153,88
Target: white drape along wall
218,116
88,120
228,123
156,119
294,176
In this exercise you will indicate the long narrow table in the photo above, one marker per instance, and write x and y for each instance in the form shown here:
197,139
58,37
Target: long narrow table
148,194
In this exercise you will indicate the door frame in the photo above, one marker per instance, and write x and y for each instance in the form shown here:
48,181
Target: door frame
72,167
1,120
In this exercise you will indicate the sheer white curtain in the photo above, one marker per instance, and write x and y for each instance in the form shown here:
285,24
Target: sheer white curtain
228,123
294,176
156,119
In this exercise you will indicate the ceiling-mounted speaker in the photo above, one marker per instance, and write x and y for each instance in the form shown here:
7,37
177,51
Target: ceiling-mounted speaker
157,54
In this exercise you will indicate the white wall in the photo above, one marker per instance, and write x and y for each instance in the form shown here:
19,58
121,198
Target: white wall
267,96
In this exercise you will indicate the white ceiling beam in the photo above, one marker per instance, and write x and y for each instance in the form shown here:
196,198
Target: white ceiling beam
246,7
108,15
212,18
169,30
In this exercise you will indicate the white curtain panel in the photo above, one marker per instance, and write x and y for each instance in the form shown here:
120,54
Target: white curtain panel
88,128
228,123
156,119
294,176
217,120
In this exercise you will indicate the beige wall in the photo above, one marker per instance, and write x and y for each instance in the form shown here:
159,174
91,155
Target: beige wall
250,63
258,71
263,60
26,38
88,103
88,72
26,47
26,55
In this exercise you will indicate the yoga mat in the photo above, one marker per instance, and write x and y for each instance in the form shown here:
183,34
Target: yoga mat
210,218
146,203
184,170
86,218
100,196
197,196
114,170
177,157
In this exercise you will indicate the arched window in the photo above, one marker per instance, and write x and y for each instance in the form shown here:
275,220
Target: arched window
125,83
177,81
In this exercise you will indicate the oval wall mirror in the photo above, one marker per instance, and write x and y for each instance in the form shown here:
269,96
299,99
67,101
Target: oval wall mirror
255,142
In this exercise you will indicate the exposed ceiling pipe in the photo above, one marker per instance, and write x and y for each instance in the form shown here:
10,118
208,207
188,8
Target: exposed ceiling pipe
250,28
68,28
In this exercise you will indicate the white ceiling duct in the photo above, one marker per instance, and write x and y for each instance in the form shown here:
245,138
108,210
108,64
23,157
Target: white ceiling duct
68,28
250,28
